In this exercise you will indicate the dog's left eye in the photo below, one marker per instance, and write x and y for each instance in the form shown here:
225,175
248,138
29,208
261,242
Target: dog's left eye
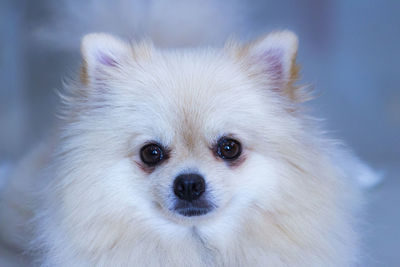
152,154
228,149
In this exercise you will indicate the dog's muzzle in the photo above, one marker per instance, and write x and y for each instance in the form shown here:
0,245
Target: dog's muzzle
190,189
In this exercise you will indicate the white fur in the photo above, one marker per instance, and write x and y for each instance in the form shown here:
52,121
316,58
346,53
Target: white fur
280,45
286,204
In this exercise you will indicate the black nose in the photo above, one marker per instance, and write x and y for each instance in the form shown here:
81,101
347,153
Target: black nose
189,186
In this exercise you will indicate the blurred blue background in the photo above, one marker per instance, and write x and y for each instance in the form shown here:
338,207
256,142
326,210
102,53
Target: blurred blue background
349,51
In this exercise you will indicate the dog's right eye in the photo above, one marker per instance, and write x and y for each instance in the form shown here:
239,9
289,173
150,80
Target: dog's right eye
152,154
228,148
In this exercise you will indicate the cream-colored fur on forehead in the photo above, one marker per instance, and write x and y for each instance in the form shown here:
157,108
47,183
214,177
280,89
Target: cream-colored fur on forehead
189,103
188,77
187,89
199,94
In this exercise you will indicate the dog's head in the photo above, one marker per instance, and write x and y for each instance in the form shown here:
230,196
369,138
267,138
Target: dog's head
186,135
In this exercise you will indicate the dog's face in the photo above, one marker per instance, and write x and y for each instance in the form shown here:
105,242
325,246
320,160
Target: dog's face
189,136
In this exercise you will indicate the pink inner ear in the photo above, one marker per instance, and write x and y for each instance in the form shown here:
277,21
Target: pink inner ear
272,60
106,60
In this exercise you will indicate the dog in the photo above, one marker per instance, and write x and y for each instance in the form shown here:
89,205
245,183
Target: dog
185,157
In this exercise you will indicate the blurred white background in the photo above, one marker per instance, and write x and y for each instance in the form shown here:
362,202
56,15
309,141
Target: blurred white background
349,50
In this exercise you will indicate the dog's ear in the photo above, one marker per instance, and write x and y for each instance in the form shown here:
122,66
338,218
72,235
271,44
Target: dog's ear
274,58
102,54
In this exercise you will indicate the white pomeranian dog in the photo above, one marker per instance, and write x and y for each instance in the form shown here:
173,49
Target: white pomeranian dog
186,157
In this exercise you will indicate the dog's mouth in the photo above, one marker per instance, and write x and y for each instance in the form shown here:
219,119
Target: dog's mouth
189,212
193,208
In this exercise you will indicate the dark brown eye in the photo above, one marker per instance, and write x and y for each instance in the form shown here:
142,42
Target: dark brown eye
152,154
228,149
